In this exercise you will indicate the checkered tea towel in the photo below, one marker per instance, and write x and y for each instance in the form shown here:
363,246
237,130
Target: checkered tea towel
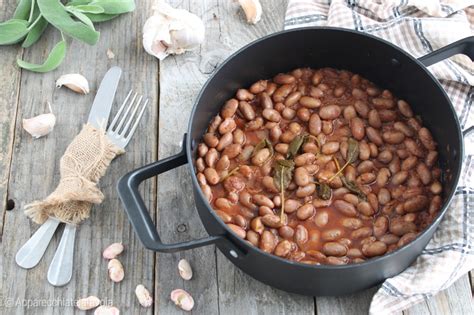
419,27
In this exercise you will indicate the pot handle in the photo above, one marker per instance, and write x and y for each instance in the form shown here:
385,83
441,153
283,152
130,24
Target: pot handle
137,212
464,46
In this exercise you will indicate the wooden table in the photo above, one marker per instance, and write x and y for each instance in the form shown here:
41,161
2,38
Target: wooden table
29,171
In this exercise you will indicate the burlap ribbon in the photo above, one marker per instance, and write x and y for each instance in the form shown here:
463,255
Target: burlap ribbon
85,161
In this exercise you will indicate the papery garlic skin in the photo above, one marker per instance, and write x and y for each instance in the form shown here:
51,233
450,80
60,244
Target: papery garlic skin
40,125
171,31
74,81
252,10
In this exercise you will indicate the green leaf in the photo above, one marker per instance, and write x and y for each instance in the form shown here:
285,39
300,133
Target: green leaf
55,13
22,11
12,31
296,145
352,150
54,59
283,174
35,33
79,2
286,163
81,17
115,6
324,191
88,8
352,186
97,18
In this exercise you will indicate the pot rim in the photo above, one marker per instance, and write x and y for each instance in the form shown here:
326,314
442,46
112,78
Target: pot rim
378,259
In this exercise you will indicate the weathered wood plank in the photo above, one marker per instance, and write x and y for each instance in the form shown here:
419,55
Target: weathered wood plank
457,299
353,304
9,90
34,171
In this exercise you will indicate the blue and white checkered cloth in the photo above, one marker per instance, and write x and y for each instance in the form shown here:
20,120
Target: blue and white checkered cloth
419,27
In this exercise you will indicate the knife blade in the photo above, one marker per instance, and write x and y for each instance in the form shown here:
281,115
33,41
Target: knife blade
100,110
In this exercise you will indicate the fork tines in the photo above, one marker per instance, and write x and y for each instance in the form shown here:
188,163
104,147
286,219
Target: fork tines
126,120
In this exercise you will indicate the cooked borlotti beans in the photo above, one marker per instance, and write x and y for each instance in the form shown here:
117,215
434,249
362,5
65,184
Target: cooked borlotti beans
321,167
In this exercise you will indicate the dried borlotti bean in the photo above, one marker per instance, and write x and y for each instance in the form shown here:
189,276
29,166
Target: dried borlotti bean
107,310
143,296
88,303
116,272
182,299
113,250
185,270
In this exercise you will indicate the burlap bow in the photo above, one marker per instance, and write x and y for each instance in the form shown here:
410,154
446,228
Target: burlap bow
85,161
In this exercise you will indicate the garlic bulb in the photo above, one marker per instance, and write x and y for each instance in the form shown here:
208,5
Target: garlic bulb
171,31
252,10
75,82
40,125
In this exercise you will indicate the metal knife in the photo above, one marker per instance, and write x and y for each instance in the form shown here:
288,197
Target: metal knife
30,254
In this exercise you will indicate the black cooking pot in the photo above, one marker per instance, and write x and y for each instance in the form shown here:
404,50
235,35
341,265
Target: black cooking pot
377,60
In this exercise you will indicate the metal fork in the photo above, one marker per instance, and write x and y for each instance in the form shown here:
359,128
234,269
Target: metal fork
120,131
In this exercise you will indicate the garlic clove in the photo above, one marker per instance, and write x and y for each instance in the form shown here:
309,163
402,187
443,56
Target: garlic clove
252,10
171,31
75,82
143,296
88,303
40,125
107,310
116,272
113,250
182,299
185,270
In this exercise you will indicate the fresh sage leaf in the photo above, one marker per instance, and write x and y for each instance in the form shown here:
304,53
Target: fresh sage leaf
296,145
12,31
324,191
352,186
80,16
283,174
88,8
79,2
35,33
54,59
102,17
55,13
352,150
115,6
23,9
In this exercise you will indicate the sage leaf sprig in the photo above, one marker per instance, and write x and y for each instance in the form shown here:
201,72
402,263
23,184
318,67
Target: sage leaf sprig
352,154
74,18
352,186
296,145
282,177
324,191
54,59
